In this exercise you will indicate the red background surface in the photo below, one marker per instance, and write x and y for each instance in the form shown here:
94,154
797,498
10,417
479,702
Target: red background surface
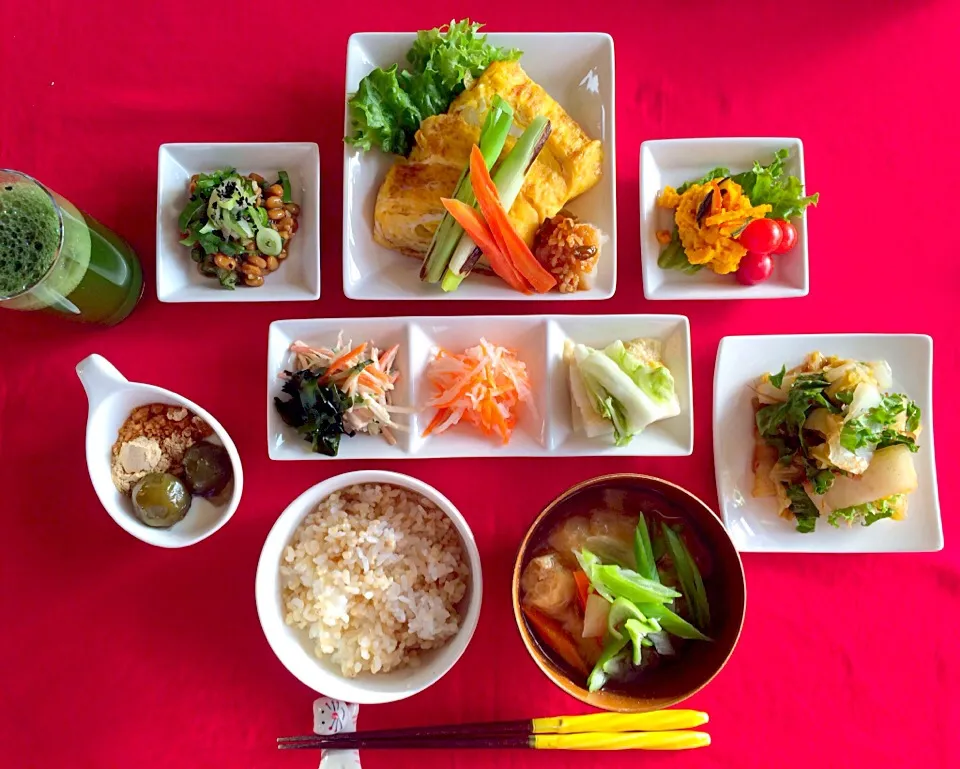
117,654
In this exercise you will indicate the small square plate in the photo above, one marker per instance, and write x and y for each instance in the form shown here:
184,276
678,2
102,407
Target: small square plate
581,80
675,161
753,523
543,429
298,278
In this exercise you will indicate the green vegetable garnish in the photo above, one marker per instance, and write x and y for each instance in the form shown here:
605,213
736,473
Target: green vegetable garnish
389,105
673,257
717,173
643,551
777,379
285,183
637,631
691,581
770,184
868,513
876,426
803,509
614,582
606,664
315,409
269,241
671,622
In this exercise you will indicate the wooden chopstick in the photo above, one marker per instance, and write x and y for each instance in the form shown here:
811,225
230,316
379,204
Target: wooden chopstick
597,731
658,720
665,740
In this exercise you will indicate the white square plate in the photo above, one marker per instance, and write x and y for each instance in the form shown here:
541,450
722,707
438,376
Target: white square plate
581,80
753,523
298,278
544,430
675,161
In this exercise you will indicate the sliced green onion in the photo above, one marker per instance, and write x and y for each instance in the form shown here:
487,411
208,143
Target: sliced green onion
269,241
601,671
643,551
496,128
691,582
637,631
671,622
285,183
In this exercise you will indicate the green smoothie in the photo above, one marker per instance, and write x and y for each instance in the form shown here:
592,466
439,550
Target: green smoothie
54,257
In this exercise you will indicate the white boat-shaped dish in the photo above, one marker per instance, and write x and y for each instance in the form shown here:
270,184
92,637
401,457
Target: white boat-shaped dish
576,69
753,523
538,342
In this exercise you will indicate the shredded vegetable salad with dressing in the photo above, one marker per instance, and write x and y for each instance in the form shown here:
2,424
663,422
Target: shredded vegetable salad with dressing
484,385
341,390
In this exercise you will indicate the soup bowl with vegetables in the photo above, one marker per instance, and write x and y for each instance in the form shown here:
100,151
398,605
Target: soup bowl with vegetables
628,593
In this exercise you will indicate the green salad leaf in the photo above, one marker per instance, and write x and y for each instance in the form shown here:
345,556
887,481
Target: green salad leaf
389,105
717,173
771,184
877,426
802,508
868,513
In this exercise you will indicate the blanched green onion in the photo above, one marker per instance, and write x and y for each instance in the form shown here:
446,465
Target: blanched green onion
691,582
643,551
285,183
496,128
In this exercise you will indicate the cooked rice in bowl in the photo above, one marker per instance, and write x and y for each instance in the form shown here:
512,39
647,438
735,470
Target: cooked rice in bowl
375,576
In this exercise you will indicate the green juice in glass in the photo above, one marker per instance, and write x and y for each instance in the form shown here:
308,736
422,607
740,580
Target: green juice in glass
56,258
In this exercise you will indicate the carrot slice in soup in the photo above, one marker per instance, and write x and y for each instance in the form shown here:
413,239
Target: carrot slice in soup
556,638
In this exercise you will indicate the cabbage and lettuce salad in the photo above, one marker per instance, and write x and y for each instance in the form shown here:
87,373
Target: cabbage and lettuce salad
832,441
620,390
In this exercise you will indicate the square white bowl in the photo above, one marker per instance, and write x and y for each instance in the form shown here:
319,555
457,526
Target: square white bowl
753,523
543,429
675,161
298,278
581,80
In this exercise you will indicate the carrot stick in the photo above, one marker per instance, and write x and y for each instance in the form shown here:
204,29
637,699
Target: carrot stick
473,224
556,638
583,587
503,232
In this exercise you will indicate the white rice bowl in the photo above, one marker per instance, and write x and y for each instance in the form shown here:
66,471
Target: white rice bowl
374,576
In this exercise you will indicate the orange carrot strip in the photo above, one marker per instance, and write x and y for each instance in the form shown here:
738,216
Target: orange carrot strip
583,587
556,638
340,362
436,421
506,236
473,224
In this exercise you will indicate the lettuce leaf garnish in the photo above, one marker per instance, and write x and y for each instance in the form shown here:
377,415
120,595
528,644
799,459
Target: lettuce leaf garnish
389,105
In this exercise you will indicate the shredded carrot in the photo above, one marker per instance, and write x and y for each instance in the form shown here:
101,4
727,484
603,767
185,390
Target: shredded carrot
473,224
556,638
483,385
507,238
341,362
583,587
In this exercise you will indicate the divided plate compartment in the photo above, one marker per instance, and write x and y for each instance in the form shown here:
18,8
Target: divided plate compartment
545,429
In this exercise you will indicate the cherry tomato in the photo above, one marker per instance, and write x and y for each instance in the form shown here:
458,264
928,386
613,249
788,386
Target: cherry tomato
789,237
762,236
754,268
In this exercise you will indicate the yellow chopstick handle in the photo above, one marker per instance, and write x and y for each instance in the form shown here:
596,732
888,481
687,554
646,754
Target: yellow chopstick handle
679,740
656,721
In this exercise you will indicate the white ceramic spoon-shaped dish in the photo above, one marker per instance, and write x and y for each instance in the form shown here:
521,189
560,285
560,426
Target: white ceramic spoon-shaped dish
112,397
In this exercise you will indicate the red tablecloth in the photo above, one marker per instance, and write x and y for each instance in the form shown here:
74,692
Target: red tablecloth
117,654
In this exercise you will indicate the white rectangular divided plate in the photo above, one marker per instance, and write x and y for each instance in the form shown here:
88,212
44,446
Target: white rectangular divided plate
545,431
753,523
675,161
576,69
